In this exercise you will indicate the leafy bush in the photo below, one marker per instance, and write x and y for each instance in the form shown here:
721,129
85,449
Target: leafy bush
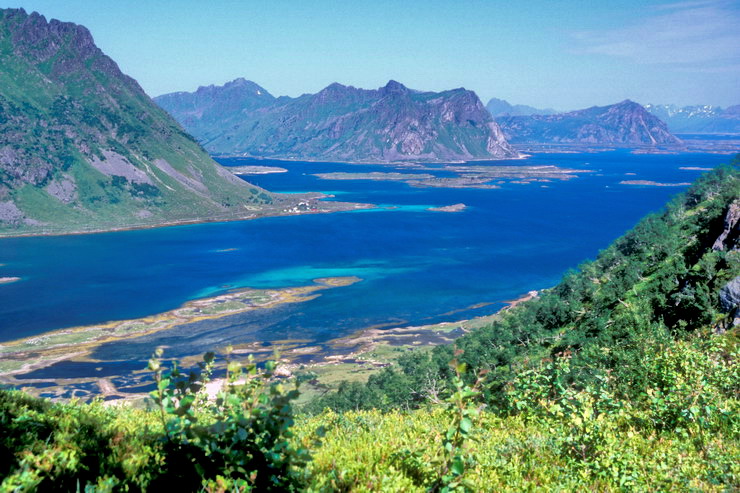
242,439
554,434
238,442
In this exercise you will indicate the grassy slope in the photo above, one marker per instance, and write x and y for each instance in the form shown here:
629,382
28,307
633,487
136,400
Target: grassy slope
58,113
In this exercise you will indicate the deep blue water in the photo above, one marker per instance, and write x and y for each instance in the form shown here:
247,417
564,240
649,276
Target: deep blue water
416,265
727,136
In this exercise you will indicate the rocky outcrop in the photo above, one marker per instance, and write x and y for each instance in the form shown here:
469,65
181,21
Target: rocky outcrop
729,300
728,238
626,123
392,123
729,295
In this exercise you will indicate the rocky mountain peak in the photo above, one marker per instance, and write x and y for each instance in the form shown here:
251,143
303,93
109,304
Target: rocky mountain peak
628,104
236,86
392,123
335,88
394,87
67,49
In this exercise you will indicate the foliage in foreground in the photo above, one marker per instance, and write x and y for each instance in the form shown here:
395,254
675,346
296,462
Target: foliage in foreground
681,435
241,440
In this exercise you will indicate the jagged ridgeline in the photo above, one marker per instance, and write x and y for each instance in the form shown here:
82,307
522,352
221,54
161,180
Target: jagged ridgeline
344,123
677,272
82,147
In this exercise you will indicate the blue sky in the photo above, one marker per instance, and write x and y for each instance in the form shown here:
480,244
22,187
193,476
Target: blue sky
565,54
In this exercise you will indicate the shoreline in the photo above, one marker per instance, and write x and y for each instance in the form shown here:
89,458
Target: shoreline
342,207
521,156
371,349
525,150
35,352
354,356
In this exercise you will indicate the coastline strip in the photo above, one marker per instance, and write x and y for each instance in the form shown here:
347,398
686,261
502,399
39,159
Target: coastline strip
42,350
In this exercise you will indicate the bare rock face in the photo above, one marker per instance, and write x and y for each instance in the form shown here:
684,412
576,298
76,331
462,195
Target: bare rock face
625,123
729,300
63,189
729,295
113,164
392,123
728,239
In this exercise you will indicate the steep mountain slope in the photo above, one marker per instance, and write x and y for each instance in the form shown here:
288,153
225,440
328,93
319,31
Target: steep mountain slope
500,107
205,111
82,147
698,119
343,123
625,123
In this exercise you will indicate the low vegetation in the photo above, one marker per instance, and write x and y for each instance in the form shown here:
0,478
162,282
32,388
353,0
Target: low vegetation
624,376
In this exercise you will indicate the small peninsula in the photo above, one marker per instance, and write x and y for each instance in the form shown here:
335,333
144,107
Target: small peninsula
256,170
43,350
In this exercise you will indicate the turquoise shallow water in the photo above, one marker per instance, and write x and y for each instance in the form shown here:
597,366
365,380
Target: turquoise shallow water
416,265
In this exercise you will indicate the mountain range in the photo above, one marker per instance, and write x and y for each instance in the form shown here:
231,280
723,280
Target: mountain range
698,119
625,123
343,123
82,147
500,107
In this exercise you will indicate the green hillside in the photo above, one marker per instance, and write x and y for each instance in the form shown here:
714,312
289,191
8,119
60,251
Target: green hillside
622,377
82,147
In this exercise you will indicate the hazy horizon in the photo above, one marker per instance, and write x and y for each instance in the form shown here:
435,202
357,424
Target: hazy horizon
565,56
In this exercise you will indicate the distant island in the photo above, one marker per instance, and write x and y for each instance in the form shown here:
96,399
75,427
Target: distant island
449,208
256,170
466,176
340,123
625,124
652,183
699,119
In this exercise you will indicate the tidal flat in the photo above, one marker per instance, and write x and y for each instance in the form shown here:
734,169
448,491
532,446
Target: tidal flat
33,353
